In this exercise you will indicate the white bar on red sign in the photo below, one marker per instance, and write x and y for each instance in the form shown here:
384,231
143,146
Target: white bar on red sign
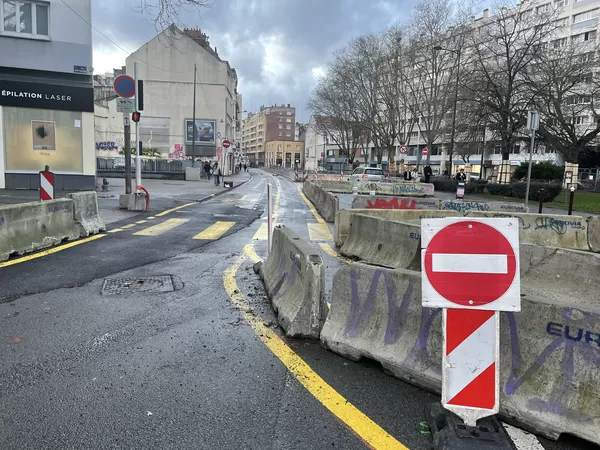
475,263
470,367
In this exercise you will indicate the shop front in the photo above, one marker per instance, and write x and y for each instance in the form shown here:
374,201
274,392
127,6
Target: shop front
44,124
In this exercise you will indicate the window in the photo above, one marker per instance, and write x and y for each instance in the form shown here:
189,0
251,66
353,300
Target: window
580,119
560,3
289,113
558,43
414,134
288,120
288,127
280,134
288,135
577,18
25,18
280,127
289,146
542,9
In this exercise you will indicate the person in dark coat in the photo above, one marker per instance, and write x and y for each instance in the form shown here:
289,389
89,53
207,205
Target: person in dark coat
427,172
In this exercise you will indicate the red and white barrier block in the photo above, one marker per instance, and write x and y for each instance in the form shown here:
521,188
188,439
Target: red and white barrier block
471,269
46,185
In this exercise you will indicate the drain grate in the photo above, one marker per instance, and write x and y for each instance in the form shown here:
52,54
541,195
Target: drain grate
118,286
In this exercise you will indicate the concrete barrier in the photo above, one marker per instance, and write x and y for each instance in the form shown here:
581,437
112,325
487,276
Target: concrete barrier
394,202
547,230
594,233
27,227
557,273
86,213
466,206
384,242
550,351
294,277
323,201
407,188
335,186
342,218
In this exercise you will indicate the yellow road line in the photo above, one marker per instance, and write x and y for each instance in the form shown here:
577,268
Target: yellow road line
372,434
311,207
319,232
50,251
160,228
251,254
116,230
151,217
331,252
215,231
139,222
126,227
262,233
164,213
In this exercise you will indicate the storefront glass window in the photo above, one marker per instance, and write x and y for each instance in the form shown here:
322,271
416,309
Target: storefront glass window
35,138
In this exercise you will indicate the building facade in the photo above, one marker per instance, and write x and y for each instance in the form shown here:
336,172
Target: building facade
46,94
166,65
286,154
109,129
270,123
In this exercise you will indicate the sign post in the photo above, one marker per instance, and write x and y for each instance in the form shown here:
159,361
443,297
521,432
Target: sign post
138,159
470,268
46,184
533,124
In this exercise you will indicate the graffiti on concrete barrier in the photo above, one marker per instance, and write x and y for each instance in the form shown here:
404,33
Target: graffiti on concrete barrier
382,203
515,208
558,226
554,381
407,188
522,224
415,236
360,313
107,145
465,206
576,342
57,208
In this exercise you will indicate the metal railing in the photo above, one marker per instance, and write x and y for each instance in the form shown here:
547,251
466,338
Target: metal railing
588,179
148,165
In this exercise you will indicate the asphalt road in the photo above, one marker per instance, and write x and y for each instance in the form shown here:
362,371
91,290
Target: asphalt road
138,368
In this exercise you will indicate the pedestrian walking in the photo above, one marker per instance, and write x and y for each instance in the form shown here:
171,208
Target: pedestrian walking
207,170
427,172
217,174
245,168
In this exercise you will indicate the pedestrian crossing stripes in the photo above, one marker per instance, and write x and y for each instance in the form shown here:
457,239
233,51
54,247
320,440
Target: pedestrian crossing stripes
161,228
215,231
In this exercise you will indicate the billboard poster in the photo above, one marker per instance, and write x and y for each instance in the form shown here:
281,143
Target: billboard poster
205,131
44,135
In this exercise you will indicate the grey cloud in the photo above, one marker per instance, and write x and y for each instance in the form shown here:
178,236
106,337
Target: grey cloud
308,32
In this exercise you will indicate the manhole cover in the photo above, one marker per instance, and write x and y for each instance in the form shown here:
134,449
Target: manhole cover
159,283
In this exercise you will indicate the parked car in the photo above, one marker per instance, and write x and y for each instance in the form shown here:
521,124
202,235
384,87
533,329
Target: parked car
366,173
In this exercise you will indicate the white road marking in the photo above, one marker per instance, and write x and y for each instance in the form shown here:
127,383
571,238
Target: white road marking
522,439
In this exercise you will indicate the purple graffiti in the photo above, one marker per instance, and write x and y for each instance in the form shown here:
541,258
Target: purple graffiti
570,342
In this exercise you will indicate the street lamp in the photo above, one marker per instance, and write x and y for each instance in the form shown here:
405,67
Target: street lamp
438,48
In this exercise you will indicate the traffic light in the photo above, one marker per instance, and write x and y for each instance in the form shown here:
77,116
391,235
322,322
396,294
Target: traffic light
140,95
135,116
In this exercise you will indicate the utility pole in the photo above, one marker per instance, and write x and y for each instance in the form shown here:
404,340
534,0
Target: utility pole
127,127
533,124
138,147
194,122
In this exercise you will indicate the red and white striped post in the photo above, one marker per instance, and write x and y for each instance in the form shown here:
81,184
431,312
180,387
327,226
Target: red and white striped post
342,175
471,269
46,184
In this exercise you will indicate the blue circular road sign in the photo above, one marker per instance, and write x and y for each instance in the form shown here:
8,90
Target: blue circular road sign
124,86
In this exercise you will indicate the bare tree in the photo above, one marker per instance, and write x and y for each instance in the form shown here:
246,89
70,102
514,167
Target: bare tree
567,91
167,12
502,49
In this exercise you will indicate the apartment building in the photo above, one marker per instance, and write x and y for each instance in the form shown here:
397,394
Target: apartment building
578,25
287,154
46,94
166,64
270,123
320,151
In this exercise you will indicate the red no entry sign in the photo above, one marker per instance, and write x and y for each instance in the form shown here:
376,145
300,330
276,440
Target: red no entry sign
471,263
226,143
425,151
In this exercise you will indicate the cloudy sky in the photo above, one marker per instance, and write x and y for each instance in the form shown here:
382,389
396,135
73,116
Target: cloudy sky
278,47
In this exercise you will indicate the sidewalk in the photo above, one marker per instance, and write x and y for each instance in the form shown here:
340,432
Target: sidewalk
164,194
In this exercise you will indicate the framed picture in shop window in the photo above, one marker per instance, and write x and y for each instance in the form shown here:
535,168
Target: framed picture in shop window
44,135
